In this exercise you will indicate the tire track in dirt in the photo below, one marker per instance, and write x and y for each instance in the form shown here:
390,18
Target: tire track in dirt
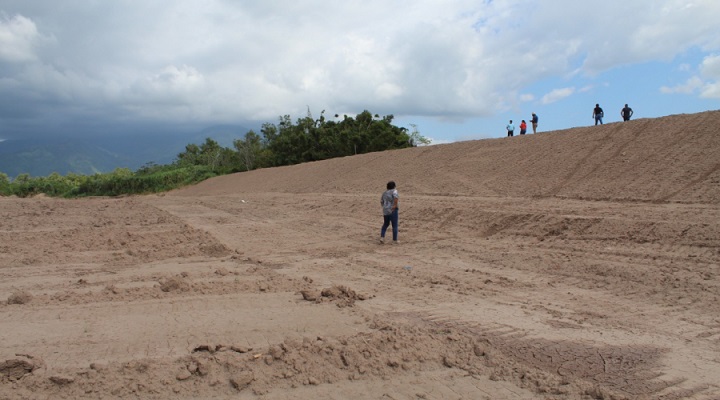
693,183
509,295
604,141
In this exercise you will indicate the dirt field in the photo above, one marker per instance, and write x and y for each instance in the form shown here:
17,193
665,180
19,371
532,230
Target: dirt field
576,264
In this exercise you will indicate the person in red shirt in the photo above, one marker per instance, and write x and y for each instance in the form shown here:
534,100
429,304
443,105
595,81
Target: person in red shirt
523,127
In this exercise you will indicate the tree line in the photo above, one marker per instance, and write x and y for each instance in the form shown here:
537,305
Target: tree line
283,143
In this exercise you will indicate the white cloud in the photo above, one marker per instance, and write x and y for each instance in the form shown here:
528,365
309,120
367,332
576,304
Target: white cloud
657,31
693,84
526,97
18,36
711,91
437,141
388,91
222,60
708,87
557,95
179,83
710,67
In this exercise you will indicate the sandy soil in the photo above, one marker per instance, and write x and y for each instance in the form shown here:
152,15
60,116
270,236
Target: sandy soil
577,264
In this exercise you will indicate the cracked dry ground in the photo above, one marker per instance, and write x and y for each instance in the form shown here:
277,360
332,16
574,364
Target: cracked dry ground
219,296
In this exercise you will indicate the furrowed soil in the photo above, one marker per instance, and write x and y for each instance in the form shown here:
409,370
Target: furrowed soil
575,264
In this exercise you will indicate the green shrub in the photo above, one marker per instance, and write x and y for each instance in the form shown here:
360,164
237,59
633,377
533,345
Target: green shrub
283,144
4,184
119,182
146,181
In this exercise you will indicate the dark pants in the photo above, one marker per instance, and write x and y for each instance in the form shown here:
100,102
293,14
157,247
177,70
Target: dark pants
510,133
390,219
522,131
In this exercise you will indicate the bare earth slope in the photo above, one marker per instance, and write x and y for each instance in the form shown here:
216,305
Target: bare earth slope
577,264
675,158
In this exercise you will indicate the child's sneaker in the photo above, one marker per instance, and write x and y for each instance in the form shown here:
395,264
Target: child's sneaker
382,240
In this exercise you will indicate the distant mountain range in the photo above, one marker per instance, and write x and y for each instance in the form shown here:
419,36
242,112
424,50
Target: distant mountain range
41,157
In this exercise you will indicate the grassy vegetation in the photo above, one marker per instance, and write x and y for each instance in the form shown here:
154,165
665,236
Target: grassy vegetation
285,143
119,182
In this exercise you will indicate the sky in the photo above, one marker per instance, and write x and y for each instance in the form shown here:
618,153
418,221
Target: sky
456,70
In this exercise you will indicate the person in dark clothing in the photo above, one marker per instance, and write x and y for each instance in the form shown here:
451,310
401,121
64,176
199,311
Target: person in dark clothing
598,114
389,202
626,113
534,121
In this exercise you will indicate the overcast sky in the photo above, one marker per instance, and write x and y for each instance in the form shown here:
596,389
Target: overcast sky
457,69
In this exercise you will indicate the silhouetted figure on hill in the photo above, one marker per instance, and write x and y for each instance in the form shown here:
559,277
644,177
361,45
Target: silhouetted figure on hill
510,128
389,202
534,121
523,127
598,114
626,113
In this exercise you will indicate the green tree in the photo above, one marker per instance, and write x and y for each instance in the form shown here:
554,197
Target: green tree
209,154
284,143
312,139
249,150
191,155
416,139
22,178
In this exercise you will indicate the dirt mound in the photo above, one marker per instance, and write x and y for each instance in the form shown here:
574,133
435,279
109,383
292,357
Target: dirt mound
20,366
99,232
22,297
342,296
391,351
578,264
672,159
175,283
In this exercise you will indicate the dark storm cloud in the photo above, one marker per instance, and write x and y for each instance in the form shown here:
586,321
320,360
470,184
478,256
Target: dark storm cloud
74,66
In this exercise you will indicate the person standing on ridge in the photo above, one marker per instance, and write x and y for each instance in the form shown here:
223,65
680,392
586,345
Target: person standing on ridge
534,121
510,128
598,114
389,202
523,127
626,113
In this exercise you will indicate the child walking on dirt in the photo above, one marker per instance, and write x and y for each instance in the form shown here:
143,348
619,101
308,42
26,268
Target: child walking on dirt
389,202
